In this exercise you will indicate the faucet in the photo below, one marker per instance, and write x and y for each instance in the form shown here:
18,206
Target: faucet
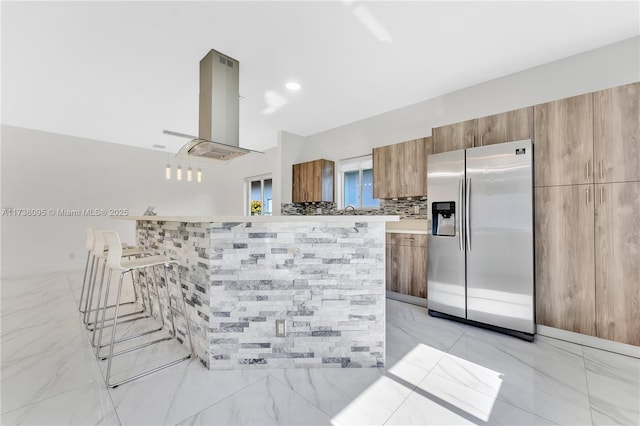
348,209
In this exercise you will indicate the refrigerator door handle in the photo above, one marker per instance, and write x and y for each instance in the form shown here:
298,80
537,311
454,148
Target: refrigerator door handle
460,229
467,206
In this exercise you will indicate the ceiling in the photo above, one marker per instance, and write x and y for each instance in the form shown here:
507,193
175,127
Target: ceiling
123,72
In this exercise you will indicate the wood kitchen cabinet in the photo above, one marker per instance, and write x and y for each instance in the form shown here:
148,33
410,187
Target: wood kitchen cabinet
564,258
406,268
388,175
617,249
616,133
506,127
564,142
400,170
455,136
312,181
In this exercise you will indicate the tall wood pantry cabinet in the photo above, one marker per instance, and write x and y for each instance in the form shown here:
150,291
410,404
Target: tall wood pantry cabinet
587,218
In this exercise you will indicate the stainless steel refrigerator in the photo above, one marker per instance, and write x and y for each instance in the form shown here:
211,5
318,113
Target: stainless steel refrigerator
480,245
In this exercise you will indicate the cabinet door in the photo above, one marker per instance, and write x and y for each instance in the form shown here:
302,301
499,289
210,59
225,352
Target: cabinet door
297,181
327,172
506,127
455,136
616,128
418,285
407,270
617,236
520,124
387,171
565,275
390,284
313,181
564,141
380,179
414,172
493,129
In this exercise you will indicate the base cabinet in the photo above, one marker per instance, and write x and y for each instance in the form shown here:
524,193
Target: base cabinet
407,264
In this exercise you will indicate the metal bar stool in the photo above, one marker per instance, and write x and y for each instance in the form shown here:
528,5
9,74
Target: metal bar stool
117,264
98,263
89,246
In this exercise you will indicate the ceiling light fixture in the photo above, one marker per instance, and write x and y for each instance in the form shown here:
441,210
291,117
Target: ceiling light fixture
167,172
199,175
292,85
189,174
179,173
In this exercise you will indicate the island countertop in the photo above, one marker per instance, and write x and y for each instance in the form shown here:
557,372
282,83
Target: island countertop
267,219
324,276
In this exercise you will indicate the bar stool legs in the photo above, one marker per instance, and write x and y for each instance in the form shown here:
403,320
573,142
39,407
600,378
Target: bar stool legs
115,263
172,312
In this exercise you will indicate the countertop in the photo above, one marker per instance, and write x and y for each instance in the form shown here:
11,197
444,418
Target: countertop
267,219
408,226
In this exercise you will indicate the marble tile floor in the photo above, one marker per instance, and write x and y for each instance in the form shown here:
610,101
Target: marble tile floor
437,372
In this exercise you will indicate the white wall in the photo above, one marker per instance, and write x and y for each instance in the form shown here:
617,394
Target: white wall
608,66
291,152
51,171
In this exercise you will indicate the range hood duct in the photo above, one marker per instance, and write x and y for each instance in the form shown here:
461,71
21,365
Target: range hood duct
219,111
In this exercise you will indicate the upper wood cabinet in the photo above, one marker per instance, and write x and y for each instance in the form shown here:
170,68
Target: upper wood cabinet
617,249
564,257
400,170
616,132
506,127
406,268
564,142
312,181
455,136
388,176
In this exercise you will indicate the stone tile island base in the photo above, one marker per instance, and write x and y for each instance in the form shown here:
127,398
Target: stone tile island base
325,276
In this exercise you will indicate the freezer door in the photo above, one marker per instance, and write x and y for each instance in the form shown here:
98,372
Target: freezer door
499,207
445,186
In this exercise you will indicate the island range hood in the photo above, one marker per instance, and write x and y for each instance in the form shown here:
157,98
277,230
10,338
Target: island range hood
218,113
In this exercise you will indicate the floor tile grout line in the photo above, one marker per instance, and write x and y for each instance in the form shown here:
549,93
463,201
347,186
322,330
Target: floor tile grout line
413,390
586,379
501,399
429,371
225,398
300,395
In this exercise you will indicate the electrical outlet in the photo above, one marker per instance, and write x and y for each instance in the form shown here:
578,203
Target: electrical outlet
416,209
280,328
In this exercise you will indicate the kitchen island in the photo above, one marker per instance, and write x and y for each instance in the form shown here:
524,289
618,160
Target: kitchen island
323,275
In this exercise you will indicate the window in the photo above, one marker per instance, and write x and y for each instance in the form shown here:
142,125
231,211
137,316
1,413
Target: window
355,183
260,196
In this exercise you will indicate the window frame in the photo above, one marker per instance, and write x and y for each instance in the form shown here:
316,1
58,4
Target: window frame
360,163
247,198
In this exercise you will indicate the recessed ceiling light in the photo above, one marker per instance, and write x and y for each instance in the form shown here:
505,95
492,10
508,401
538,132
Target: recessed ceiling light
292,85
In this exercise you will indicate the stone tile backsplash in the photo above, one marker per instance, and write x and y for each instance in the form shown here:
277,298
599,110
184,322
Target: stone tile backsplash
403,208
